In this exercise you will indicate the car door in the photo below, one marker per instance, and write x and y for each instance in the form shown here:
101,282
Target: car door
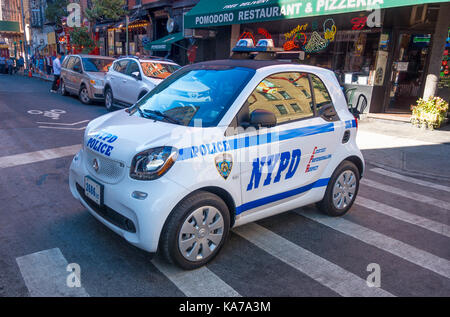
282,163
132,85
119,80
68,79
77,74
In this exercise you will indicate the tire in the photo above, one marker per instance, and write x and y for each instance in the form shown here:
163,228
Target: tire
63,89
109,99
198,247
83,95
341,190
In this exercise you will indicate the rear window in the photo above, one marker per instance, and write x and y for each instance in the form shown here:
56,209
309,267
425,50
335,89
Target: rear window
96,64
158,70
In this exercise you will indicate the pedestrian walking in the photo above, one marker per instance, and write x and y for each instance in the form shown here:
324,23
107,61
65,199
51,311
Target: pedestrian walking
2,64
56,73
20,63
10,63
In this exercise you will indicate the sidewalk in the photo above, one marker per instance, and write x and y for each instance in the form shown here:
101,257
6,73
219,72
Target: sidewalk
36,75
402,148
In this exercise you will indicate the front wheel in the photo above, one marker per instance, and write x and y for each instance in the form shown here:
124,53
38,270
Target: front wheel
83,95
341,190
195,231
109,103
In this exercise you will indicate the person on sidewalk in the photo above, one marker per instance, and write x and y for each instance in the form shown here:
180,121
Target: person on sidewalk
10,63
56,73
20,63
2,64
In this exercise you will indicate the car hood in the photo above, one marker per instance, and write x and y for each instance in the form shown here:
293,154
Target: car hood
96,75
120,136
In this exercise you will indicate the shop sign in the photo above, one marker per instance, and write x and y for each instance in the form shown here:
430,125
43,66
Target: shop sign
212,13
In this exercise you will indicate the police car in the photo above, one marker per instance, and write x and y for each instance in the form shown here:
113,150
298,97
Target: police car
250,139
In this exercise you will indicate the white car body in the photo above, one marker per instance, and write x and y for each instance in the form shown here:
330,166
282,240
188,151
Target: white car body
196,169
127,89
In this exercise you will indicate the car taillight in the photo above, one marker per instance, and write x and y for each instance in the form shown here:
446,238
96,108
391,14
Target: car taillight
356,123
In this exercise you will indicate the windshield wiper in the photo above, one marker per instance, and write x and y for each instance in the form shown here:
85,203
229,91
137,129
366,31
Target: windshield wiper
163,115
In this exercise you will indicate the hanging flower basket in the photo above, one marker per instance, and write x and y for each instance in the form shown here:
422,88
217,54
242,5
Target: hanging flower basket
430,113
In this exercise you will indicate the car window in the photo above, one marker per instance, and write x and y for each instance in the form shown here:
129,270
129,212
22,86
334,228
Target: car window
96,64
132,67
320,92
64,63
70,62
158,70
196,96
287,95
121,66
76,62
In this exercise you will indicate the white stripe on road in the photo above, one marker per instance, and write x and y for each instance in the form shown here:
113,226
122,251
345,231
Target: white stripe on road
196,283
405,251
65,124
410,179
404,216
406,194
38,156
62,128
321,270
45,275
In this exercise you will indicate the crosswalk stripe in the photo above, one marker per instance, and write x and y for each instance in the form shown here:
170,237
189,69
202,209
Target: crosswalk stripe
410,179
201,282
38,156
406,194
404,216
405,251
45,275
321,270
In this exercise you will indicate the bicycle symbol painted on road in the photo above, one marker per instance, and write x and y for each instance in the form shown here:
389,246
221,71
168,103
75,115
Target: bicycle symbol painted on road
54,114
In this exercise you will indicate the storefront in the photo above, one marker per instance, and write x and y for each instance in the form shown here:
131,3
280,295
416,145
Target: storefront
10,38
379,54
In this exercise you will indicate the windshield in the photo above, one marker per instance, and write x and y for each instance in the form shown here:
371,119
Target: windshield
96,64
158,70
199,96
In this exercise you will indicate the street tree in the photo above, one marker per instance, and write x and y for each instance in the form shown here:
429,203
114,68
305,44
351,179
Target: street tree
106,10
56,10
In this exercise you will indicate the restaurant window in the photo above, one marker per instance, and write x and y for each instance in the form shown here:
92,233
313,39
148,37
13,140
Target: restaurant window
287,95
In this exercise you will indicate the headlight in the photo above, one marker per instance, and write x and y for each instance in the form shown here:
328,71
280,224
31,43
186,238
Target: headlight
96,82
153,163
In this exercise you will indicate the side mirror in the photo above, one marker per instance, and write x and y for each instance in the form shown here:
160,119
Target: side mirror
263,118
77,68
136,75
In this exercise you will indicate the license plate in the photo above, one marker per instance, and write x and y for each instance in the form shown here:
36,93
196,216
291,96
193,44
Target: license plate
93,190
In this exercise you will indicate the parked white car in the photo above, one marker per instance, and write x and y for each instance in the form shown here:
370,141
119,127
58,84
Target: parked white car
130,78
177,170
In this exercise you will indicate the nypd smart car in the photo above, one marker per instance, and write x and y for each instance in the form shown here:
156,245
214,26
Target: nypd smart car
247,140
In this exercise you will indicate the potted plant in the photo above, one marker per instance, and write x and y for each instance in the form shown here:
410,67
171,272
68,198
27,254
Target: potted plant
429,113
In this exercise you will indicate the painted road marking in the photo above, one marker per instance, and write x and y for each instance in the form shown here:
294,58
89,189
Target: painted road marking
410,179
321,270
196,283
61,128
406,194
405,251
38,156
68,124
404,216
45,274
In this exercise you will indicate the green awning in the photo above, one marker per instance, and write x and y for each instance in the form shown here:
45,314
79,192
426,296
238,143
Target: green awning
9,26
225,12
165,43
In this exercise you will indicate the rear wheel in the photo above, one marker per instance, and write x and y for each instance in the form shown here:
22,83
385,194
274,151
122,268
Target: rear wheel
341,190
195,231
83,95
109,104
63,88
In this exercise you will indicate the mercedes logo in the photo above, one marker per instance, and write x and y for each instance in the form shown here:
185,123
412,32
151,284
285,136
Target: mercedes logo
95,165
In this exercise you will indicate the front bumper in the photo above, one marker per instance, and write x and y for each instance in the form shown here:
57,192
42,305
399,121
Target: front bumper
96,92
140,222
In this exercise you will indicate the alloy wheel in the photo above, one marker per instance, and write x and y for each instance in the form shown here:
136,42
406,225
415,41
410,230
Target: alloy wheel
344,189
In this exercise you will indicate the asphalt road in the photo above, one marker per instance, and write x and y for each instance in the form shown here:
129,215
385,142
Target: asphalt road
400,224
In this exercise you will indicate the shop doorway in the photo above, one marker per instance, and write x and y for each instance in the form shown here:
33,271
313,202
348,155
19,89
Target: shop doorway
408,70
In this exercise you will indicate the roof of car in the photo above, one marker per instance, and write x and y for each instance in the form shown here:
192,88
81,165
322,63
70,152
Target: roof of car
91,56
248,63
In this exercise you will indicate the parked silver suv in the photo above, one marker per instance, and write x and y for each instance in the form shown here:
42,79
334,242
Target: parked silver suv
130,78
83,75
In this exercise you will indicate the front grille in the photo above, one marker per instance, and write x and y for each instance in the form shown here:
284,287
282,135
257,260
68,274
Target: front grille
109,171
107,213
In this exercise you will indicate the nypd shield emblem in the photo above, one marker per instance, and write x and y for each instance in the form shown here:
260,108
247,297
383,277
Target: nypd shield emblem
224,164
